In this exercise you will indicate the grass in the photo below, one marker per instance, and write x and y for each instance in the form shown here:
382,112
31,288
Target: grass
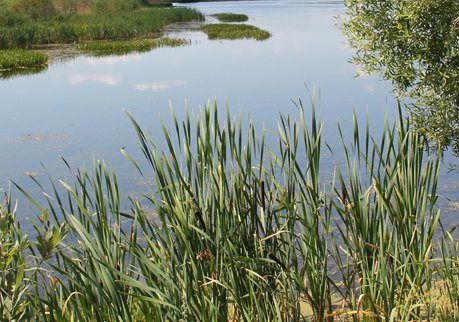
232,31
122,47
231,17
22,59
25,24
243,231
20,30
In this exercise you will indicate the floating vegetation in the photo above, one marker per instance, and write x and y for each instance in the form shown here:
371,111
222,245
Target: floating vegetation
21,59
41,137
102,48
232,31
231,17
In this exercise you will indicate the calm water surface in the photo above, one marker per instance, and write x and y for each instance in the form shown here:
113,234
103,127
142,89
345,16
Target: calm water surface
76,109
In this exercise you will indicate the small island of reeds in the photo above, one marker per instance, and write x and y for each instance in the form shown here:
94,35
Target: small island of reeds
20,59
231,17
102,48
234,31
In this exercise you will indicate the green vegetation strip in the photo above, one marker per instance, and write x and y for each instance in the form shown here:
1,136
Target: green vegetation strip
23,30
15,59
138,45
231,31
231,17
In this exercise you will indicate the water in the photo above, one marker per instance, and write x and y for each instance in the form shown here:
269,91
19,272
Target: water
77,108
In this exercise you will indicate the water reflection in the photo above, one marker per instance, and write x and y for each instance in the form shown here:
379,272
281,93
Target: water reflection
111,60
84,98
40,137
110,80
159,86
11,74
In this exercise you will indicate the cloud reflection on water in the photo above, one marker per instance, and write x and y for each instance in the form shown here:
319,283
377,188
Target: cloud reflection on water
111,60
111,80
159,86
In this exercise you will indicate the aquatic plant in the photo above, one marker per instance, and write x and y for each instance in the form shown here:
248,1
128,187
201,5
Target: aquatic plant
243,231
22,59
100,48
231,17
13,264
25,31
32,7
103,6
234,31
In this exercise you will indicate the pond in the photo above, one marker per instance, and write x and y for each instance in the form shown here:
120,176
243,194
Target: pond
76,109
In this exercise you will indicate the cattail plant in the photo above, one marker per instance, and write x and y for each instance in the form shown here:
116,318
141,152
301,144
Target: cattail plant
241,231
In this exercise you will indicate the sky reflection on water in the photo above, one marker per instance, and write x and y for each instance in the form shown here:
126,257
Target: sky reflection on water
84,99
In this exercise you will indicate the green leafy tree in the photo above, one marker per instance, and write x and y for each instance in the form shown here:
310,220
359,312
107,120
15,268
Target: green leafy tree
415,44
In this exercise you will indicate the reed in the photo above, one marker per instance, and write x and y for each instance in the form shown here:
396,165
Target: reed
20,30
231,17
22,59
13,264
242,231
100,48
234,31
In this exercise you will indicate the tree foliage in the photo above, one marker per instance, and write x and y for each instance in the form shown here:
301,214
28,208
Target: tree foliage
415,44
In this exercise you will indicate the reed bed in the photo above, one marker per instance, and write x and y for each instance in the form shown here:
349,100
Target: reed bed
242,231
231,17
21,30
22,59
234,31
100,48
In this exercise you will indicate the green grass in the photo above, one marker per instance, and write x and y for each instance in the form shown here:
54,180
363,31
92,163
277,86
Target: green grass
231,17
242,231
22,59
32,25
99,48
232,31
21,30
